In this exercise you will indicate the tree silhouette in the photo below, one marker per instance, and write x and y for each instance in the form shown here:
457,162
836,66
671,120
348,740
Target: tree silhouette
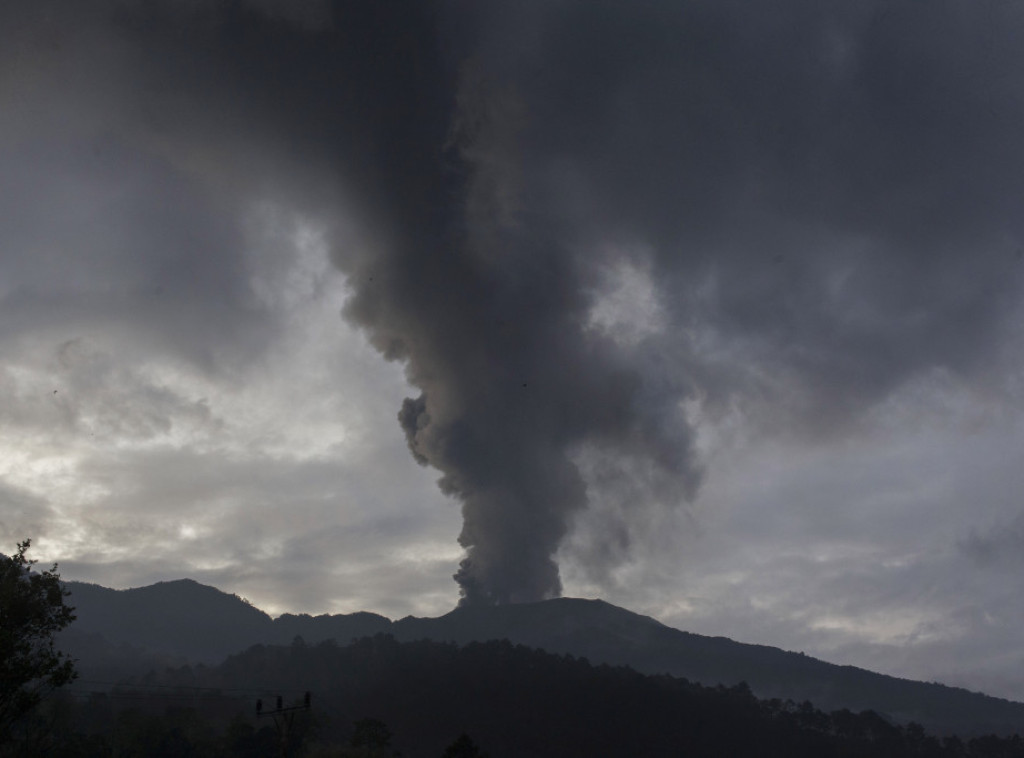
32,611
463,747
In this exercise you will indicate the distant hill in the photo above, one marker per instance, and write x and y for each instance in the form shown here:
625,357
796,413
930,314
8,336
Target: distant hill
200,623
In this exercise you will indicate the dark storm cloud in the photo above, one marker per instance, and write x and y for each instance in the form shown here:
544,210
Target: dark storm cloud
822,197
825,198
831,188
107,226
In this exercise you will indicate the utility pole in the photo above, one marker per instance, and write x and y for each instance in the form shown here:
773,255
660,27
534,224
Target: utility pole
283,718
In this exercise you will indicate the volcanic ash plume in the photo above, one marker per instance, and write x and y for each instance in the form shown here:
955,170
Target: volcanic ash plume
493,320
632,207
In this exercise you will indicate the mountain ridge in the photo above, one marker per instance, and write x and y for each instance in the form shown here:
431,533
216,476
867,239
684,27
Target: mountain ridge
187,620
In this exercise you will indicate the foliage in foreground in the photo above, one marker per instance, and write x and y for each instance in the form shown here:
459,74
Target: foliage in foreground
32,611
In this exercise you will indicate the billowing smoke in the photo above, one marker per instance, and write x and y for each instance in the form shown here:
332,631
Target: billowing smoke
491,314
816,200
589,226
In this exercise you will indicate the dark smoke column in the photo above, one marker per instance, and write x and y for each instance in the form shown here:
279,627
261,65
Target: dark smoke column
517,496
511,386
509,395
489,313
824,197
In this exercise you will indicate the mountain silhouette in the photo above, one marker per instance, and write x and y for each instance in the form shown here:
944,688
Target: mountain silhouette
200,623
187,620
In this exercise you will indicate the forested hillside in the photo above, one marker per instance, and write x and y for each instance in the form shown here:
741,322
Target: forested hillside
121,632
418,698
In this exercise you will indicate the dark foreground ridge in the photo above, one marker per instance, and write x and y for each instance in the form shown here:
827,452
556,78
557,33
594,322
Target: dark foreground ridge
381,697
172,623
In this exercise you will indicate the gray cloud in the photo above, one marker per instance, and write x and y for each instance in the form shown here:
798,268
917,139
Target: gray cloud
852,552
827,212
1001,546
845,225
22,514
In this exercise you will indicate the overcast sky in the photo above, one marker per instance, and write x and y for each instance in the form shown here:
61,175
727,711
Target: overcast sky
709,309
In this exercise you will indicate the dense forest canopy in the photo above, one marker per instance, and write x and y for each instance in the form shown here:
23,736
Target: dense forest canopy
379,696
